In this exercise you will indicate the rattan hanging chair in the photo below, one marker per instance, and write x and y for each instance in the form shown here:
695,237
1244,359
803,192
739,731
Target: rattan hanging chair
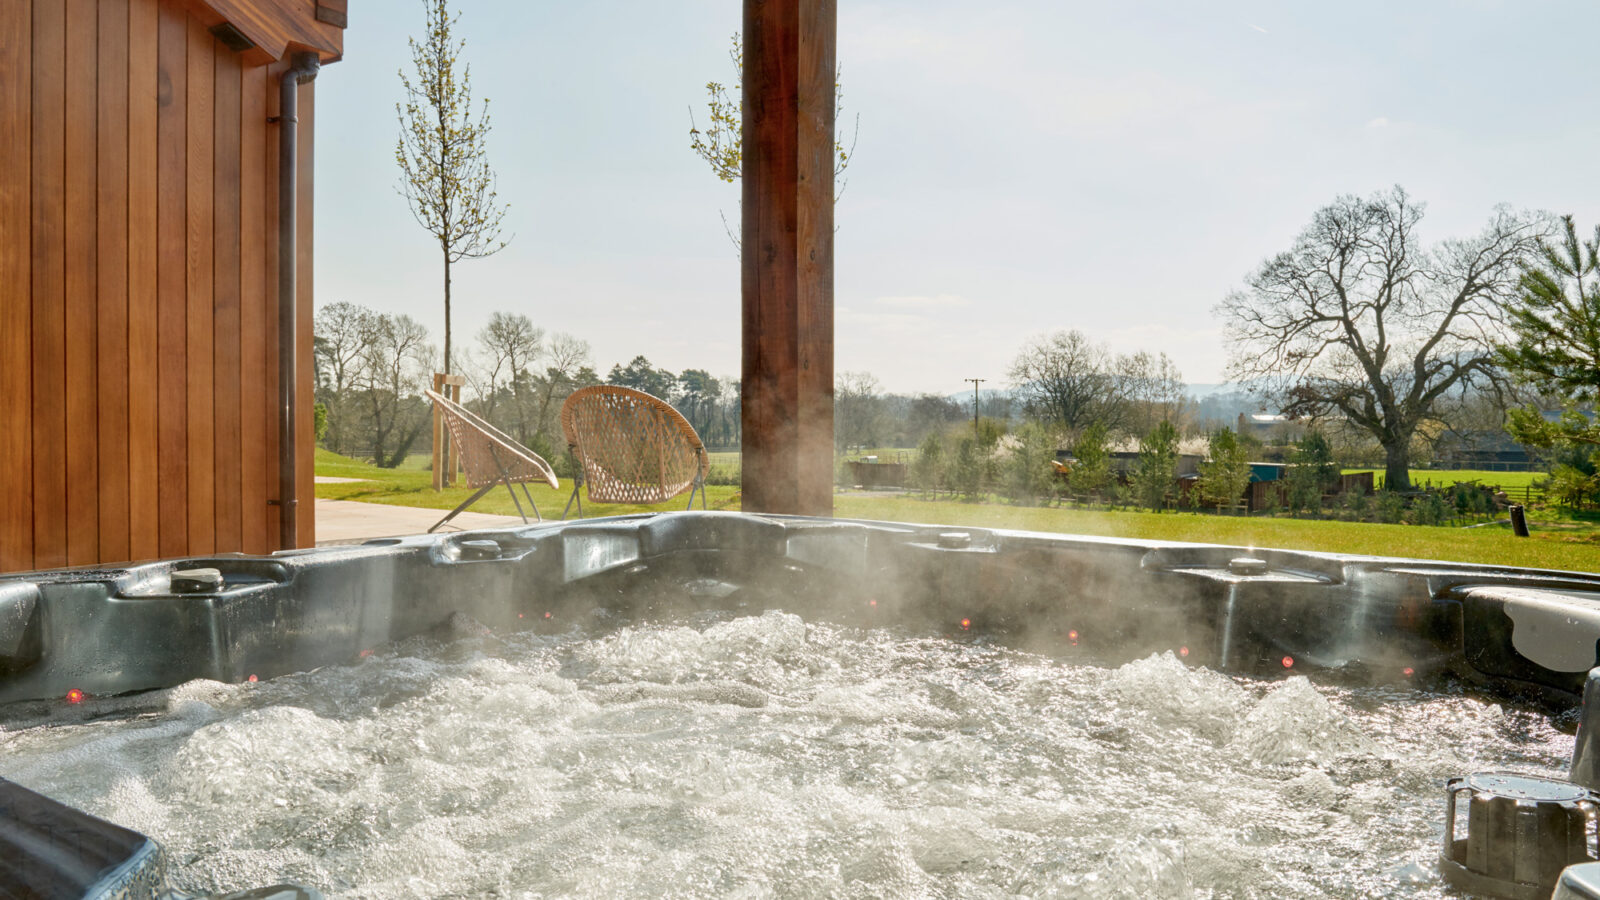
631,447
490,457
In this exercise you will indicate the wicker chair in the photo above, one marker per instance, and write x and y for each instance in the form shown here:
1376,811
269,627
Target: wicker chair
631,447
490,457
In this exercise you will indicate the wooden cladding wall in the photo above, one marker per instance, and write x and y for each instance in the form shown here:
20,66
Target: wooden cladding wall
138,288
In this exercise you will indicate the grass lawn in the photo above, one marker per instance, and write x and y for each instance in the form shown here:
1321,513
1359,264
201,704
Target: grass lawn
1446,477
1482,545
411,485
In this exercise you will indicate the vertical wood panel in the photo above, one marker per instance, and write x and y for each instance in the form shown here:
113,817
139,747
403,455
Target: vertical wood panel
270,282
112,282
81,268
138,355
143,385
49,290
226,349
16,307
255,402
305,453
202,442
171,272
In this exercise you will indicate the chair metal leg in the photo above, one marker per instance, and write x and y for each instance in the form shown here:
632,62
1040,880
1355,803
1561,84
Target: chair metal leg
506,480
464,504
577,482
513,492
535,506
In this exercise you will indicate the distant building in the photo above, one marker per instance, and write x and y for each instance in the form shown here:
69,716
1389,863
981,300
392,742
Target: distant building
1271,428
1488,450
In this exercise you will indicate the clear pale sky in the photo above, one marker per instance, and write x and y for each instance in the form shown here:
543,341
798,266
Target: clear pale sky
1022,167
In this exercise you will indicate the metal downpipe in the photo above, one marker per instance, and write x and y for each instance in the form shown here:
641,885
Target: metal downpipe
303,70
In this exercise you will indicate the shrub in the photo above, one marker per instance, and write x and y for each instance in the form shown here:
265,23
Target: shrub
1390,507
927,472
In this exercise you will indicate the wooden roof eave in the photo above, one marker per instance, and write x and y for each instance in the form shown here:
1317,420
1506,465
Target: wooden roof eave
277,28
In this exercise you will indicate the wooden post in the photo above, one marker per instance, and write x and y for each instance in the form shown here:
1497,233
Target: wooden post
445,463
787,256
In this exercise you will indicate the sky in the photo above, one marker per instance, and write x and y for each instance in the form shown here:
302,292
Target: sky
1020,167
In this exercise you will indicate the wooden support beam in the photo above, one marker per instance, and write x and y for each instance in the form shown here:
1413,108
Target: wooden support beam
787,256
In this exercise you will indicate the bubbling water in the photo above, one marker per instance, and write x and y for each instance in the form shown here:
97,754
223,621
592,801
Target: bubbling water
761,756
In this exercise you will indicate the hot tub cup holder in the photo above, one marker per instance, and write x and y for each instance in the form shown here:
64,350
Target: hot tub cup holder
1522,832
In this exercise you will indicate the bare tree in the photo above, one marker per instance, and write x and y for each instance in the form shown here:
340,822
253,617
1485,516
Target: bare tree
1068,380
1360,320
856,410
443,154
510,345
393,370
566,361
1154,389
344,333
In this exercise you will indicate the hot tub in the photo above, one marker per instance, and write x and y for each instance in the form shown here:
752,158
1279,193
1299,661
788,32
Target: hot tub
751,705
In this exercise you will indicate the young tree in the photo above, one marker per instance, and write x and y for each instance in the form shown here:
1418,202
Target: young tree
1028,476
1359,319
966,469
1091,472
1555,337
1156,466
721,144
1226,473
1313,461
443,153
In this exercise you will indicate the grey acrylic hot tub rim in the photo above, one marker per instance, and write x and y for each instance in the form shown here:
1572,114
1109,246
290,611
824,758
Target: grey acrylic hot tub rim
109,631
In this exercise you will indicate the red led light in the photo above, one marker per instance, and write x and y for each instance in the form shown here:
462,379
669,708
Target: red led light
1408,671
1183,651
547,615
252,679
365,653
1072,635
519,615
966,623
872,603
1288,662
74,696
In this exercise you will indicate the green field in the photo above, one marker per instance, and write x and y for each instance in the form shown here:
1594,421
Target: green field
1553,547
1495,545
1446,477
411,484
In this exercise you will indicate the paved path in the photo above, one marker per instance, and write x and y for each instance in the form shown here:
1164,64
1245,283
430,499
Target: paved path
349,522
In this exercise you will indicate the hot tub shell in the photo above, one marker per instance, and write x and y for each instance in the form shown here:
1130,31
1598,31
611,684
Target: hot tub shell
106,631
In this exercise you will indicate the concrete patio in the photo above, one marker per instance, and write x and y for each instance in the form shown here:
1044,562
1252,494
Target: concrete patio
349,522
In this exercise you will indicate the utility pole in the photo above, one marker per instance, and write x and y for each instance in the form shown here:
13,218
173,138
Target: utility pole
975,383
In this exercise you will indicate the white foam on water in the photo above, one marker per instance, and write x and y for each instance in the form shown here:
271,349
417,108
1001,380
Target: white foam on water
760,756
